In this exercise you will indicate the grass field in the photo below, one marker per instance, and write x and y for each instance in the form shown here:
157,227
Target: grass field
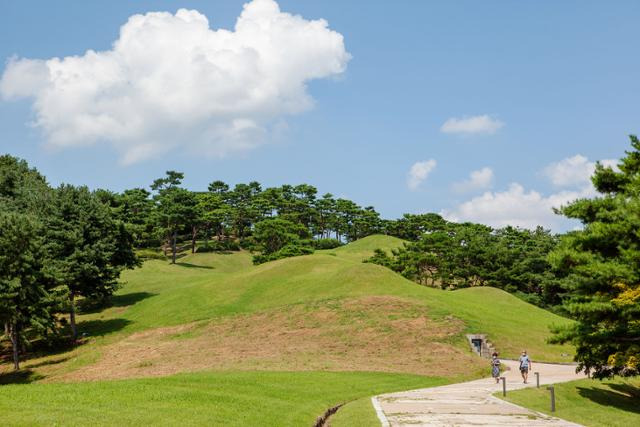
226,398
608,403
322,312
358,413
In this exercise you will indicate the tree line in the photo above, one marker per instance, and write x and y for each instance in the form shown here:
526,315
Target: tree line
591,275
273,222
69,243
58,245
450,255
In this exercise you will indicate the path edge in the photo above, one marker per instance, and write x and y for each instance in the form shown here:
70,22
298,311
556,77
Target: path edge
381,416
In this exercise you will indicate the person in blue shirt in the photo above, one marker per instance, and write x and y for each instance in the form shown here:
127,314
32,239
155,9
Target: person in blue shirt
495,367
525,365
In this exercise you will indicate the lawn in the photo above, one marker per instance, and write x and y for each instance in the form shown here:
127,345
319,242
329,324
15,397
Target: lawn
225,294
328,316
215,398
218,285
607,403
359,413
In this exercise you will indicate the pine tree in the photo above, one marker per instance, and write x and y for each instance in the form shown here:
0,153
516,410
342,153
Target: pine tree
27,299
601,269
87,246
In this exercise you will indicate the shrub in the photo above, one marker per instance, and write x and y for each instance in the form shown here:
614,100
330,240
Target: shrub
219,246
327,243
145,254
290,250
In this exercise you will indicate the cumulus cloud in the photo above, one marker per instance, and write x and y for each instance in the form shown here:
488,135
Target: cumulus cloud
483,124
573,171
516,207
170,81
478,180
419,172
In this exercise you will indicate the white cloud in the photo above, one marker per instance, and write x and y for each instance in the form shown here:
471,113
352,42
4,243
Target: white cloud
419,172
528,209
515,207
169,82
573,171
472,125
478,180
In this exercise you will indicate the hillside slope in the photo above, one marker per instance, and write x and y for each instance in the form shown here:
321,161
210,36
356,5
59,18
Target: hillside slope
326,311
247,342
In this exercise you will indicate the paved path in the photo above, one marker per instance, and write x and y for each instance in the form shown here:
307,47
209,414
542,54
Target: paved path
471,403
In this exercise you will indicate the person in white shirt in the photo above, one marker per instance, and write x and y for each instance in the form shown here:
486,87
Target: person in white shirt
525,365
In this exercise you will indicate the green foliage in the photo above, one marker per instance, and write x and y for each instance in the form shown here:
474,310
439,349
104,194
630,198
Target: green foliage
274,234
146,254
327,243
451,256
175,209
21,188
28,302
287,251
219,246
27,299
278,238
413,227
134,207
87,248
600,266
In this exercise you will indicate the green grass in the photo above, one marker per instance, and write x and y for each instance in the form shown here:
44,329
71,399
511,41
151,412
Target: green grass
207,286
217,398
607,403
210,286
363,248
359,413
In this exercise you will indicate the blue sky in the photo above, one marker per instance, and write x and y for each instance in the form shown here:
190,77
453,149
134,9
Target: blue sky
550,87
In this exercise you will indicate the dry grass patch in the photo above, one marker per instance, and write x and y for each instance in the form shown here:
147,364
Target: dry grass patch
385,334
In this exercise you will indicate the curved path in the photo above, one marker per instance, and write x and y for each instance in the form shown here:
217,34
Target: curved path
472,403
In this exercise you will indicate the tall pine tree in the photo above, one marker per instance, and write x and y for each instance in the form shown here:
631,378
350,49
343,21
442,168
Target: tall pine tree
601,269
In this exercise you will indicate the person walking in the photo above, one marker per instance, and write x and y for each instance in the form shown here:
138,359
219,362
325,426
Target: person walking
525,365
495,367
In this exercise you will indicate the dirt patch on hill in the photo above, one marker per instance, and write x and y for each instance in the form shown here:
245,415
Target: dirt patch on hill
364,334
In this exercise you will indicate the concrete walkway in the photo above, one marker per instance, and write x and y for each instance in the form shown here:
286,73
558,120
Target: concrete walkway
472,403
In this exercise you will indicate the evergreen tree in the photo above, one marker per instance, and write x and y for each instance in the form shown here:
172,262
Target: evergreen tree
27,298
87,246
601,269
280,238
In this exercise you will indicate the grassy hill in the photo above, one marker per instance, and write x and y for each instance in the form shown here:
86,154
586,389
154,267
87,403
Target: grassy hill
322,312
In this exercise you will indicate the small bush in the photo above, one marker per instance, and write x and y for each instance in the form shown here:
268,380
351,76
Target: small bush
219,246
327,243
145,254
249,244
288,251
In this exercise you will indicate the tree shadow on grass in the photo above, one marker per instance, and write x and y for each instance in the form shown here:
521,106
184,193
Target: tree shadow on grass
49,362
189,265
122,300
625,397
62,344
130,298
93,328
23,376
